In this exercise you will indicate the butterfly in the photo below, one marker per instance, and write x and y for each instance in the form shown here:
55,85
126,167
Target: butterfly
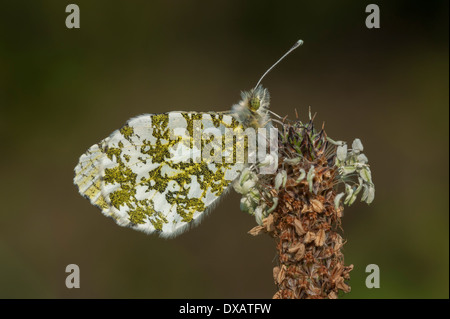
162,173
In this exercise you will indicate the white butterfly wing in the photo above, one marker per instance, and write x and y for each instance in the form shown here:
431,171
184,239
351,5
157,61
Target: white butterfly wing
147,177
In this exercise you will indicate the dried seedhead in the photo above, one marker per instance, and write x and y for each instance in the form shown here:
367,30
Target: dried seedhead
301,208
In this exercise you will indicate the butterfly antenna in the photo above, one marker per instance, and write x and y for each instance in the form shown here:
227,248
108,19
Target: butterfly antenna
273,113
295,46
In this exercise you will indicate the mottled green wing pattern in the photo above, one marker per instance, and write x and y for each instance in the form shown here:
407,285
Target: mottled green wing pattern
149,177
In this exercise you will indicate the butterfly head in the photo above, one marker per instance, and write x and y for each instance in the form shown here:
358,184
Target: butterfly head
252,110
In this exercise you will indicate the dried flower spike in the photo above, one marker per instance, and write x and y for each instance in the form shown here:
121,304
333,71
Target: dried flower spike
299,205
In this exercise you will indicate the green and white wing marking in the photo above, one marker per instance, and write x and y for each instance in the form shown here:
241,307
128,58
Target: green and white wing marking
142,176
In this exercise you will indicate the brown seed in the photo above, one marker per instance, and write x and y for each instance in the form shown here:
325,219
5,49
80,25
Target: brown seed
340,212
332,295
336,272
338,242
281,274
305,209
317,205
346,272
277,295
276,271
294,248
309,237
257,230
300,253
340,284
264,222
320,238
298,227
326,253
289,206
269,226
291,283
313,291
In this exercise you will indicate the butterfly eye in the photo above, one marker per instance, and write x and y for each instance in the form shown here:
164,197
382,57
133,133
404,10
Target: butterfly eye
254,103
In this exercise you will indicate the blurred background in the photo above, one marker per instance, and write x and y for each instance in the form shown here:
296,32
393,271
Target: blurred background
62,90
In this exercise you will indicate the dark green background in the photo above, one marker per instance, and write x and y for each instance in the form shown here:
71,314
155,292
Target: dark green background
62,90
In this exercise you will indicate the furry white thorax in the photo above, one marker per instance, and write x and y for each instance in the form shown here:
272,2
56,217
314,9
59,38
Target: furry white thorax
249,117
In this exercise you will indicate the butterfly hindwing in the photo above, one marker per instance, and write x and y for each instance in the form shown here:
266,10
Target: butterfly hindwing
152,174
